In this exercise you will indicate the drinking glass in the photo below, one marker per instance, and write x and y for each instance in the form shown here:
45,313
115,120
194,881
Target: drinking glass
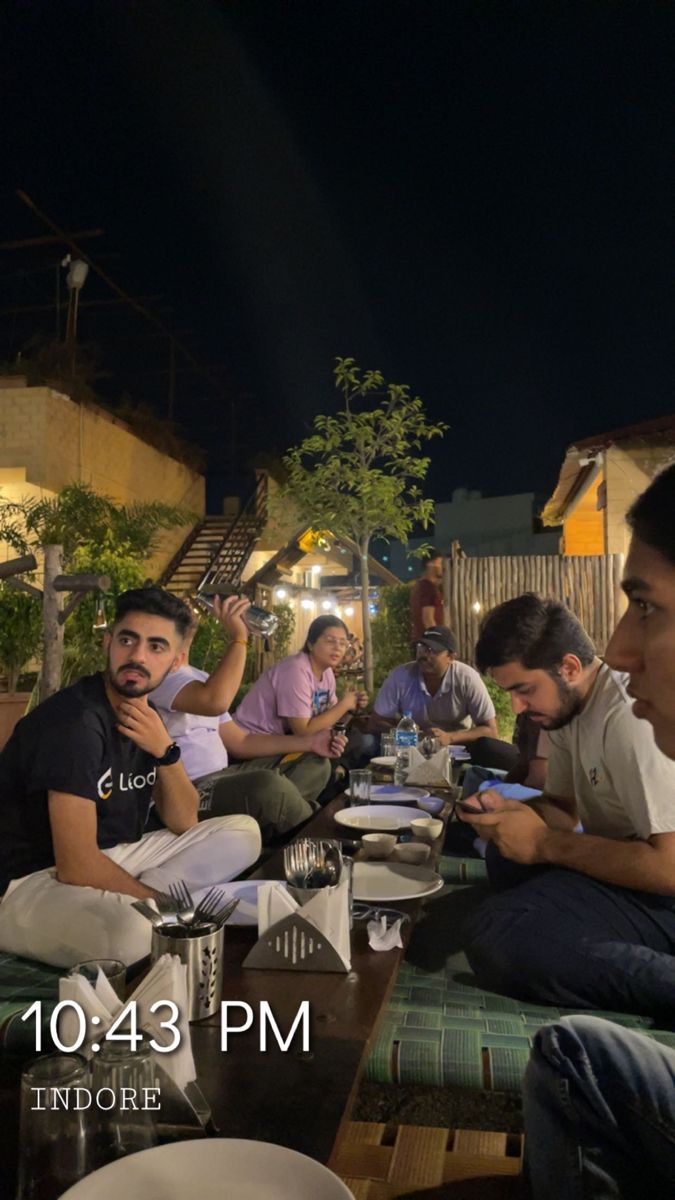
122,1122
359,786
114,971
54,1143
388,744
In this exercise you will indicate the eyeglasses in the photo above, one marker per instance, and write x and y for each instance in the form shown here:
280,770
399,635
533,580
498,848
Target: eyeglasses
430,649
334,642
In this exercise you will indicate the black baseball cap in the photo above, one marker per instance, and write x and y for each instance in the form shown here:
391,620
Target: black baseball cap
440,637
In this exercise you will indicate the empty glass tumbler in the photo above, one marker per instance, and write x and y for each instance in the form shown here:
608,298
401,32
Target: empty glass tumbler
54,1126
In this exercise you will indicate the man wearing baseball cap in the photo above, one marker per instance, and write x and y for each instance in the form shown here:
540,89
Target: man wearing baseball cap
441,692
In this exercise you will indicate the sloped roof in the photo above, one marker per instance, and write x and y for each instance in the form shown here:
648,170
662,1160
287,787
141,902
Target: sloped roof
574,472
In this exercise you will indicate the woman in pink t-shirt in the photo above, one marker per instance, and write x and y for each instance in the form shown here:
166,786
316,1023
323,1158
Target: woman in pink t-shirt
298,694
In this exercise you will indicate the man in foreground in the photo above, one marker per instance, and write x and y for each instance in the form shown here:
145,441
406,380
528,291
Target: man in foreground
77,778
600,1100
592,934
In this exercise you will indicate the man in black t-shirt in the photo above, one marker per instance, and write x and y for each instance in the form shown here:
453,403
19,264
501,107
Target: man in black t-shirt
77,779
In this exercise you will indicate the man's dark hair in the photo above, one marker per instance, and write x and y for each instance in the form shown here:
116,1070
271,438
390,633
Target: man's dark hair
651,516
318,628
430,554
538,633
156,602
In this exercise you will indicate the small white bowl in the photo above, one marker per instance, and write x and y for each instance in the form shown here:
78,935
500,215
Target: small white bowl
427,828
378,845
411,852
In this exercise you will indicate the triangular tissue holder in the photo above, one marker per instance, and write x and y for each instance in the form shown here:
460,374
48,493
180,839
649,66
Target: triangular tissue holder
293,944
307,934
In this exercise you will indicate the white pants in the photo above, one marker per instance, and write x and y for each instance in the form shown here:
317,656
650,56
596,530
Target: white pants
60,924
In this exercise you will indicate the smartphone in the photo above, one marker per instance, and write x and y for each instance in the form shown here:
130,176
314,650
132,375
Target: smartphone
470,808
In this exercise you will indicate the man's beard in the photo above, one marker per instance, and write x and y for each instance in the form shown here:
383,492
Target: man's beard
570,705
133,688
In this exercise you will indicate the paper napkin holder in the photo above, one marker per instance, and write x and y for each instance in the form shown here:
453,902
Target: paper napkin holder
294,944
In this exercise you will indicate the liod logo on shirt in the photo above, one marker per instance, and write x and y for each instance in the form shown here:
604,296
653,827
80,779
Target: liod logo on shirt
132,783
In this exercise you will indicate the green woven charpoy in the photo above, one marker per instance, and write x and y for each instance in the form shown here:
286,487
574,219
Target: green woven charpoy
23,981
439,1029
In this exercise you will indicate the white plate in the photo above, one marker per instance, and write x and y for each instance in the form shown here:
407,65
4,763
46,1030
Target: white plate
380,882
210,1170
395,793
384,760
377,818
246,912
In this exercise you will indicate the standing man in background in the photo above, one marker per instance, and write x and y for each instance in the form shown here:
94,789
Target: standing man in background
426,600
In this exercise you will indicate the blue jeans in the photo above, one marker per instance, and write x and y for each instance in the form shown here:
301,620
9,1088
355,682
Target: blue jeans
562,938
599,1106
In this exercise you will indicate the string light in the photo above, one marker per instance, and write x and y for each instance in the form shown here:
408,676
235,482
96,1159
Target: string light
326,605
307,603
281,594
349,611
476,606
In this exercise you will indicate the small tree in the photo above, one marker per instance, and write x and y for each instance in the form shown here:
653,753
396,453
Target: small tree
359,474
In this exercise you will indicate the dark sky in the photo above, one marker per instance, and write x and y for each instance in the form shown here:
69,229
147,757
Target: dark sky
477,198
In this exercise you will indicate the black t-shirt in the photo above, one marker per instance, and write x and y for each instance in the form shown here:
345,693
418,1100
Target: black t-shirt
69,744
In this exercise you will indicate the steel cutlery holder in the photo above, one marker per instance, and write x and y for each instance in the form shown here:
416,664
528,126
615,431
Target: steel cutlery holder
201,949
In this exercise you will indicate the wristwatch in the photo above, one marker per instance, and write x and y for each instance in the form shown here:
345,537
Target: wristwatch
170,756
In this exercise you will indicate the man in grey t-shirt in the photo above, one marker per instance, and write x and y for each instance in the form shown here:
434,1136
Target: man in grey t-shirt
440,692
446,697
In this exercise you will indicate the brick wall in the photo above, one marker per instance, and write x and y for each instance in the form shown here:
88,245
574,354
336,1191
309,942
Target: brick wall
48,441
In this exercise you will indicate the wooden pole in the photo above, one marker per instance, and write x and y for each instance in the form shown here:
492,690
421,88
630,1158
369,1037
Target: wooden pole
52,659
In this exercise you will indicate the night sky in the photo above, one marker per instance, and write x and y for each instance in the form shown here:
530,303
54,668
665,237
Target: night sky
477,198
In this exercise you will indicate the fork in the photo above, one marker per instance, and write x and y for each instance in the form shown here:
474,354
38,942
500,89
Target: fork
180,893
209,904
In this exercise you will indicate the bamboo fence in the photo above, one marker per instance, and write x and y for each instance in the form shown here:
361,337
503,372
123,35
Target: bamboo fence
590,585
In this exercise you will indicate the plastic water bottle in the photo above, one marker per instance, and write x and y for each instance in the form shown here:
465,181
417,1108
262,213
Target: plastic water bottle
405,737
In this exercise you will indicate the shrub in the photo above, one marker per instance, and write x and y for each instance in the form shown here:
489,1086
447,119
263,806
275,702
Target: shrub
506,718
391,631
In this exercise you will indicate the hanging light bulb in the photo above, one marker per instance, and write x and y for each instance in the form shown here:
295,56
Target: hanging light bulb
280,594
349,611
100,620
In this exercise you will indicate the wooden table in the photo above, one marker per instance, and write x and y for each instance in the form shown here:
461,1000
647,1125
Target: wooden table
297,1099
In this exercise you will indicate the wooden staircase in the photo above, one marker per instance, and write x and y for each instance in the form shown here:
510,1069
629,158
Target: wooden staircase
218,548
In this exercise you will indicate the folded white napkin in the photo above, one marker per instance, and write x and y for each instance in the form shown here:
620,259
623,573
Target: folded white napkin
381,937
433,771
328,912
167,980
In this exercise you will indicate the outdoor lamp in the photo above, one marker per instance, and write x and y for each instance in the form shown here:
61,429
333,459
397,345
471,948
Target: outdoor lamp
326,605
349,611
77,274
281,594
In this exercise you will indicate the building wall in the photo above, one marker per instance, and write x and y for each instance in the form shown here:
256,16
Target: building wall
483,525
629,470
48,441
584,529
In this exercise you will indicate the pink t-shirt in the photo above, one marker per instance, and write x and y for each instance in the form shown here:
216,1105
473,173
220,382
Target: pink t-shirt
289,689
